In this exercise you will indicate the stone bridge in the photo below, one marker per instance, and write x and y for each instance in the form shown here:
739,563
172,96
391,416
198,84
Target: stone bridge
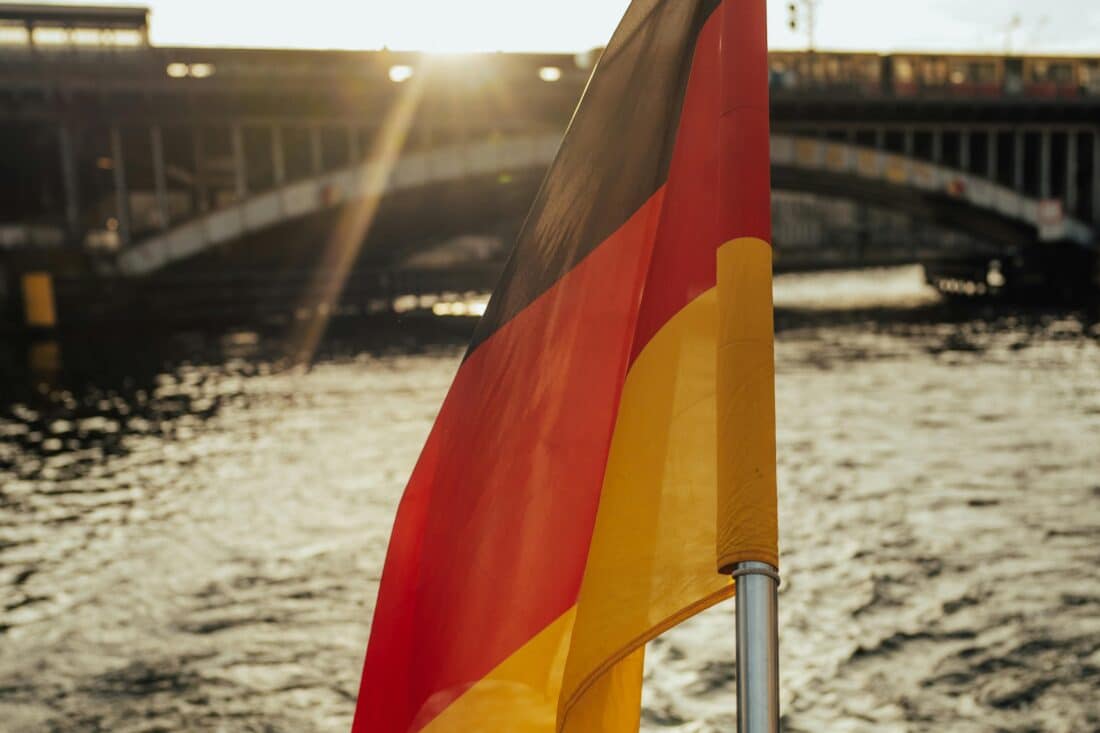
951,198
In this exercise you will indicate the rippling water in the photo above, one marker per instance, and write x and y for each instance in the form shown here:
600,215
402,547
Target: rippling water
191,537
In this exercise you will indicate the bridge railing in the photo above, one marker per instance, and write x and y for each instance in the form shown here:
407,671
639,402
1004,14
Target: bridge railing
457,162
840,158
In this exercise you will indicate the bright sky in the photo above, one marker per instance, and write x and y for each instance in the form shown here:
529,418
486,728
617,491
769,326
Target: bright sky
1071,26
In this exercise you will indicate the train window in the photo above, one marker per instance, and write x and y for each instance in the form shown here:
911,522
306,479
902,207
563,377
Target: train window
1090,77
818,67
51,36
1061,73
784,72
934,72
972,72
903,71
123,37
1058,72
983,72
869,69
13,35
87,37
1039,70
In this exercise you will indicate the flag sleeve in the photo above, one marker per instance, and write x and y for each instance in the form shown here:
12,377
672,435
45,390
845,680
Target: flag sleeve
747,517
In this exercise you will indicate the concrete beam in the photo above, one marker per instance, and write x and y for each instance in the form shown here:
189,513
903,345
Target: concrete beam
1018,161
200,170
355,152
1096,178
316,151
1072,194
278,156
160,181
69,181
991,150
1046,165
122,191
240,165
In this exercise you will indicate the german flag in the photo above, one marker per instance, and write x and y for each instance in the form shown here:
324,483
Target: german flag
571,496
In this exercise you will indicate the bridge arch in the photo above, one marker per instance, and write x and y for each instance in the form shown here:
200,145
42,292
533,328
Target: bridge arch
299,199
952,198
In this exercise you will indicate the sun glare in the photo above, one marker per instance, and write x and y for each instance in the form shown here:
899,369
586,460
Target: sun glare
400,73
550,73
432,26
202,71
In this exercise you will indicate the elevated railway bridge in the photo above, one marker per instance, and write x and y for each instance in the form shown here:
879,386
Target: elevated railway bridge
130,167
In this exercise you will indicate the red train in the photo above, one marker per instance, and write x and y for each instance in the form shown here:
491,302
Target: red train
937,75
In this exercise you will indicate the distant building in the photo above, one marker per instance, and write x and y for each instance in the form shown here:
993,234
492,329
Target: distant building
48,28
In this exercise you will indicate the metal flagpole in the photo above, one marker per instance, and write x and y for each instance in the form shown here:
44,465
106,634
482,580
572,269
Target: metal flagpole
747,418
757,648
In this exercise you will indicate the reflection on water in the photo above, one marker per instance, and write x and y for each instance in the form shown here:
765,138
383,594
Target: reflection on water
191,535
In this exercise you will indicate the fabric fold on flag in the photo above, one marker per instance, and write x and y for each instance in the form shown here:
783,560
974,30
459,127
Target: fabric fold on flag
563,511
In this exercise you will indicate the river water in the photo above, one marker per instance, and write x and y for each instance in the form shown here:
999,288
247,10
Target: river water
191,537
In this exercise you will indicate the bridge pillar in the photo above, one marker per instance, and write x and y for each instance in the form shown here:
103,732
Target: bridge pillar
1018,161
240,168
317,153
355,154
1045,165
910,142
1096,177
1071,173
122,191
937,146
160,182
278,157
991,171
202,204
964,150
69,181
880,139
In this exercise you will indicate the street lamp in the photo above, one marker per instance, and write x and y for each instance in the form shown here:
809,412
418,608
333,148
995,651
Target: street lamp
806,18
1010,29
